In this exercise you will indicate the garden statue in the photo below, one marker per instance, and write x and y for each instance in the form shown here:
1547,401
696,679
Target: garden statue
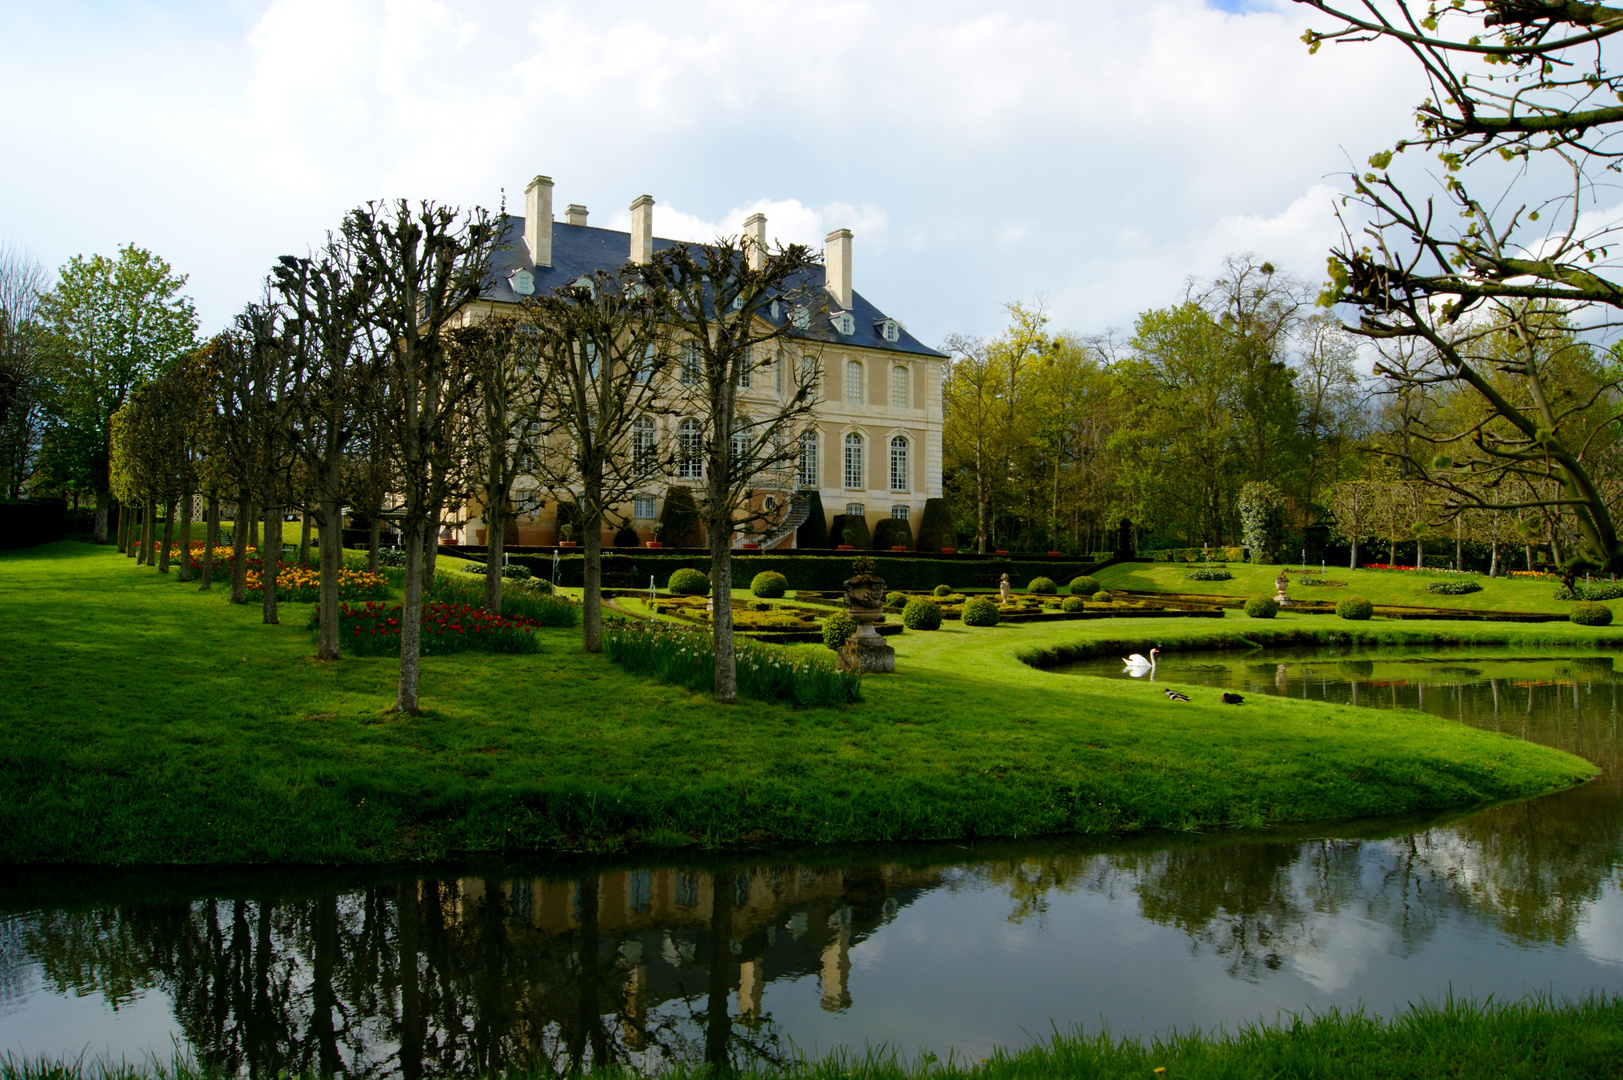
865,651
1003,588
1281,583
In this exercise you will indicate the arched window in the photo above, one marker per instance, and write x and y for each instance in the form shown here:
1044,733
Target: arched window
898,463
898,387
853,460
690,448
853,382
808,459
644,444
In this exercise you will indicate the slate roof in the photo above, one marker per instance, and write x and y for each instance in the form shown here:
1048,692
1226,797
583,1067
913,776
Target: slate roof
584,249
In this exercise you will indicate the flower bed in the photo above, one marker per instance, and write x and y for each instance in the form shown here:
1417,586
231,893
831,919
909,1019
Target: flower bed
300,585
373,629
687,658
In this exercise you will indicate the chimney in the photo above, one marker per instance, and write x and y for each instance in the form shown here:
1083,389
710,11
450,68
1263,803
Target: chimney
576,214
755,239
837,267
642,229
538,220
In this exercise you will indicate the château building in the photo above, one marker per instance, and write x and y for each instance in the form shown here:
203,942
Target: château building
875,450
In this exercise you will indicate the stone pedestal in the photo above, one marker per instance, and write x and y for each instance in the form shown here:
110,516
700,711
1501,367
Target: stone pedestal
865,651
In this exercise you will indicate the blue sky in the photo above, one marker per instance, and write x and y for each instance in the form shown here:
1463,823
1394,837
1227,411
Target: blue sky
1096,154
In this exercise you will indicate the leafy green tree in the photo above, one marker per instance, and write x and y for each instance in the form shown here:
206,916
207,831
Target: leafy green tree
118,322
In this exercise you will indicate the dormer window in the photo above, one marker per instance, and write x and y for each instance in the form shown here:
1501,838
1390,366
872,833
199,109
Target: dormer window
801,317
776,309
522,282
843,321
890,330
585,282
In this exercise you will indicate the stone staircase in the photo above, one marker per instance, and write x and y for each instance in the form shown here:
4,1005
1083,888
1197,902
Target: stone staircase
799,511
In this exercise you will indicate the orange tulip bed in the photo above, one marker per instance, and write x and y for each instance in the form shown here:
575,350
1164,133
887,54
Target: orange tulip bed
302,585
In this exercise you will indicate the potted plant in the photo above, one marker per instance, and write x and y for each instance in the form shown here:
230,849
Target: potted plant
1056,554
752,541
949,551
566,536
999,551
848,535
898,547
659,527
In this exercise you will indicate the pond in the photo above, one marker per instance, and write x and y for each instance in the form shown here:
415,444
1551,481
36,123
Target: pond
945,948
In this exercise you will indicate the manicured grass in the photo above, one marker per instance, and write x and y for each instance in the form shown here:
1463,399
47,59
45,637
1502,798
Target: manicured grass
145,721
1530,1040
1377,586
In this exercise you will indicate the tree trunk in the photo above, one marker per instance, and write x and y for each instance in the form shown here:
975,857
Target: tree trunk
1493,559
185,573
721,592
253,530
239,547
123,528
1459,546
1420,554
372,546
149,538
1352,563
168,536
411,618
591,622
101,516
270,563
330,550
211,531
1529,556
431,552
496,543
304,538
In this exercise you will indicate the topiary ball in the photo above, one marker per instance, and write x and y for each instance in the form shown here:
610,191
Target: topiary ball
895,601
1591,615
980,611
1073,603
769,584
922,613
689,582
1262,607
1042,585
836,628
1084,586
1103,597
1355,608
943,590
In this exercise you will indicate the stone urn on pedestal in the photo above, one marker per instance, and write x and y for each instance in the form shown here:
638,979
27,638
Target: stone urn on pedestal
1281,583
865,651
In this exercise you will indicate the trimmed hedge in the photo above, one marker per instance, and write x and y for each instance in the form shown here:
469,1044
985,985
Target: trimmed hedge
680,516
1042,585
942,590
626,537
686,581
1084,586
1262,607
922,613
1453,588
29,522
1354,608
1073,603
891,532
857,524
936,530
980,611
769,584
1209,574
1591,615
895,601
836,628
813,532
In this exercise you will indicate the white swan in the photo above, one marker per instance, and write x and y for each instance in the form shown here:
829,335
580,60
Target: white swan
1138,665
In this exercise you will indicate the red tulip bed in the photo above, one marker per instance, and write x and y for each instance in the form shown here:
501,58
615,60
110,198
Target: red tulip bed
373,629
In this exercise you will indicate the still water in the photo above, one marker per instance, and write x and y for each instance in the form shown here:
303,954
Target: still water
941,949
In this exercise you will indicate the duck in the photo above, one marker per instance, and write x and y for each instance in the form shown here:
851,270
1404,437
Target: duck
1175,696
1139,664
1233,699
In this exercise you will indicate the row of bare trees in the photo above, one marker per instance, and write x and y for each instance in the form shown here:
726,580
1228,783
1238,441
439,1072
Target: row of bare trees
372,378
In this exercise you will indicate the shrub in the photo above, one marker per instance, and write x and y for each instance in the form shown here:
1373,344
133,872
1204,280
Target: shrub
759,605
943,590
935,526
770,584
1103,597
680,516
836,628
1594,590
1453,588
516,572
1355,608
980,611
922,613
1588,614
1208,574
535,585
895,600
626,536
1262,519
391,556
1262,607
1084,586
687,581
1042,585
530,599
813,532
858,527
1073,603
686,657
891,532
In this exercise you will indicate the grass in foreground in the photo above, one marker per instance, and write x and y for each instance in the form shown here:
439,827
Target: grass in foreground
146,722
1529,1040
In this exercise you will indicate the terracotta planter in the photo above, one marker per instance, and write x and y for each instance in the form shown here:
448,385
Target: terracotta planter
1056,554
568,543
898,547
949,551
750,547
1000,551
845,547
652,544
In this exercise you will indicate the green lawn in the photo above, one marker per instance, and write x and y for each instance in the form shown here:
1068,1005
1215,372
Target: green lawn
1377,586
145,721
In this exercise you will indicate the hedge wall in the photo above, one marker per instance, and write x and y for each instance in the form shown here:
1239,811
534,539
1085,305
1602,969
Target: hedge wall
821,572
31,521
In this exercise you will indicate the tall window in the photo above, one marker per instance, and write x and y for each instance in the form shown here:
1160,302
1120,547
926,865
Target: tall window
746,366
691,365
808,374
853,382
690,450
854,510
526,504
898,387
741,446
899,513
591,361
853,460
642,508
645,369
898,464
644,444
777,372
808,459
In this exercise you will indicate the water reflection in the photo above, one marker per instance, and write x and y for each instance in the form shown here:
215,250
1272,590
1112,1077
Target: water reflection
944,948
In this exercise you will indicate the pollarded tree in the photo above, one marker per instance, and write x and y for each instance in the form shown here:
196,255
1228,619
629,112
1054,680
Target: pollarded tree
431,263
730,304
1355,504
603,348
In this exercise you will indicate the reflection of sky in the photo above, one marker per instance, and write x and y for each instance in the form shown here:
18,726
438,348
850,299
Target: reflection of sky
71,1025
1600,929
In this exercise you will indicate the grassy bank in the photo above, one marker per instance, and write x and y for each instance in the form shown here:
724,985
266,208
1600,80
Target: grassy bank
1529,1040
146,722
1377,586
